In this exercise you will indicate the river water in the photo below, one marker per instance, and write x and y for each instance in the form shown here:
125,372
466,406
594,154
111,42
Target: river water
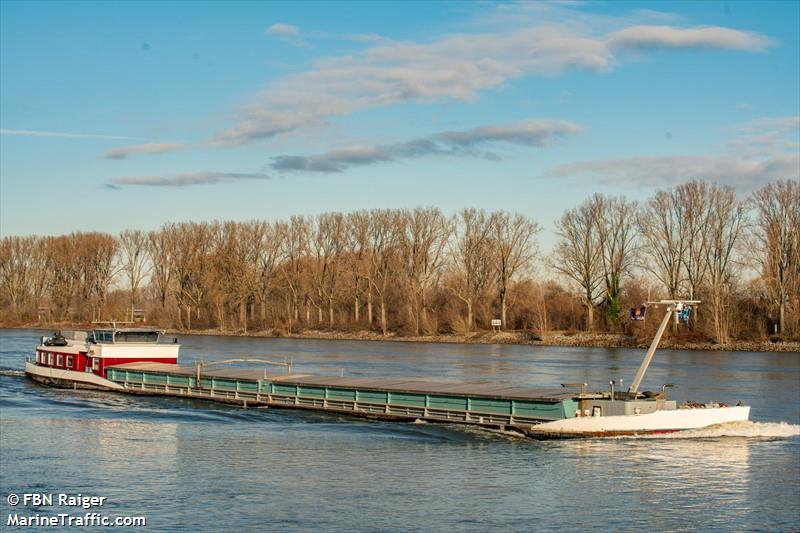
194,466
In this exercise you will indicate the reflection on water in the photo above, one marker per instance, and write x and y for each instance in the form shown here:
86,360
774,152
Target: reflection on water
194,466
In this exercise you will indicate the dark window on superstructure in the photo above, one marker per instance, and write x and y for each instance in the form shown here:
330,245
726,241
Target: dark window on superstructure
136,336
60,360
103,336
69,361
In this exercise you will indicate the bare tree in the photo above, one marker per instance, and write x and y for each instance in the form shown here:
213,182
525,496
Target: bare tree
578,255
133,252
540,306
62,263
663,228
96,254
233,277
189,245
249,249
726,222
777,234
616,231
472,259
39,275
359,264
268,256
383,253
513,239
295,248
15,269
218,267
423,239
326,245
161,259
693,199
414,268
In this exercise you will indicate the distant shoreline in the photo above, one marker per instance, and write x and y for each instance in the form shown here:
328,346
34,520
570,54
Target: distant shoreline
554,339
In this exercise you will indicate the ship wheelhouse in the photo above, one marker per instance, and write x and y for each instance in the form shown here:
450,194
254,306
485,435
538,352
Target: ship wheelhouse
102,347
125,336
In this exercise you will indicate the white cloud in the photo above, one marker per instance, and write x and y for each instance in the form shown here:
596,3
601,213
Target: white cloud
647,37
184,179
781,125
123,152
67,135
531,133
739,171
287,33
283,30
528,133
765,135
760,153
455,68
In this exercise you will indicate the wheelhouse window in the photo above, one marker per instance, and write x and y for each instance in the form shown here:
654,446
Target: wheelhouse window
128,336
103,335
136,336
69,361
59,360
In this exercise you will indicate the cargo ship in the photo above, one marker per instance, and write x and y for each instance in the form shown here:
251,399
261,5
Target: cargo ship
138,361
80,359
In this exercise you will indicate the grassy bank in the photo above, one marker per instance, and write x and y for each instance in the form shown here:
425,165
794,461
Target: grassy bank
556,338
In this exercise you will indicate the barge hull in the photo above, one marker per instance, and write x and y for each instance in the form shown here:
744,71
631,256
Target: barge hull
68,379
491,406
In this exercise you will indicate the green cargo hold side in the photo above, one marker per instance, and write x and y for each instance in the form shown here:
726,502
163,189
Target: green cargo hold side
249,386
448,402
224,384
180,381
311,392
342,394
488,405
408,399
372,396
538,410
160,379
286,390
134,377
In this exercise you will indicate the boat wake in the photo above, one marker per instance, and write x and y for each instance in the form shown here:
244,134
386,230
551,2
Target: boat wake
11,372
745,428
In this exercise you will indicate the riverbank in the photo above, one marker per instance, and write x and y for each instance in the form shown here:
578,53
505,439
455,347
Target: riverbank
582,339
556,338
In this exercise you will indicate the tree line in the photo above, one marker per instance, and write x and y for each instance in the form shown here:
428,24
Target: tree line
419,272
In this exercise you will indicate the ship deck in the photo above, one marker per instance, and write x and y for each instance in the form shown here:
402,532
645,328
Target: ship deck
485,390
485,404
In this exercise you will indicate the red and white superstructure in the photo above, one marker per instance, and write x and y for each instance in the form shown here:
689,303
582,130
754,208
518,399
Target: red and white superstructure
79,359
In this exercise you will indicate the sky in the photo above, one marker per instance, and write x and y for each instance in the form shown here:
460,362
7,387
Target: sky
119,115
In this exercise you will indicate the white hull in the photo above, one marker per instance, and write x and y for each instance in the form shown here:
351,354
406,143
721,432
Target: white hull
60,377
658,422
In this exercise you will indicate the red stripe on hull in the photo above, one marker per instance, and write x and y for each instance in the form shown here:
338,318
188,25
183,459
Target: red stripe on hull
78,360
111,361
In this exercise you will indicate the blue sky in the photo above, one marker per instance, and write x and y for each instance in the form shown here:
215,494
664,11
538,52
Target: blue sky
132,114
